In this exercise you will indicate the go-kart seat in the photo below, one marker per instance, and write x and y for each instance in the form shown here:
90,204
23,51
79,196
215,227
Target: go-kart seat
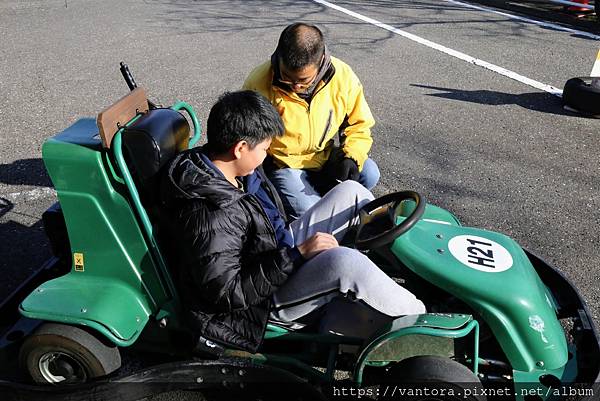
149,143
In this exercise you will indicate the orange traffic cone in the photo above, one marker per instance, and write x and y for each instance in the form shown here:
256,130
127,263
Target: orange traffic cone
582,95
595,74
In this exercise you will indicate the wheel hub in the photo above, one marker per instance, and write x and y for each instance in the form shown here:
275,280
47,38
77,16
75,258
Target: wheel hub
58,367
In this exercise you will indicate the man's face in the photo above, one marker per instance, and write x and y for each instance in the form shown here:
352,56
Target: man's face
250,158
298,80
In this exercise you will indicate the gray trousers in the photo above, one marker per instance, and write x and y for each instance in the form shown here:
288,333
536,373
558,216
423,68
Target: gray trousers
338,271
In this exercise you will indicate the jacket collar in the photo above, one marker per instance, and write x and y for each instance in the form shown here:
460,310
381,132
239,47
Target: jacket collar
191,175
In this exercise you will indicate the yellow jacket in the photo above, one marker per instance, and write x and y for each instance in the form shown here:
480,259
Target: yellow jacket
310,130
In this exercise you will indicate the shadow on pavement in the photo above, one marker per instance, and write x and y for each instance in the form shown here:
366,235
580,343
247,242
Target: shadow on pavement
536,101
23,248
25,172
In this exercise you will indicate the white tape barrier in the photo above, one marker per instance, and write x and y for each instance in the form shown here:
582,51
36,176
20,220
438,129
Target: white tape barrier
454,53
528,20
572,3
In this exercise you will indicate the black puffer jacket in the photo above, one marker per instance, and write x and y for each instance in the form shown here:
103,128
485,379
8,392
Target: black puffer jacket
223,252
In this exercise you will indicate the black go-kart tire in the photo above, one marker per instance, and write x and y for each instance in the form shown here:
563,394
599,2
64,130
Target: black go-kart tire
64,354
580,95
435,378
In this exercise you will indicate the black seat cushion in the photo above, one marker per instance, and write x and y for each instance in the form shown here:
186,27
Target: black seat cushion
149,144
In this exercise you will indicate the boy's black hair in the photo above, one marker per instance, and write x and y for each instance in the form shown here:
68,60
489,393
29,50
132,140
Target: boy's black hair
241,116
300,45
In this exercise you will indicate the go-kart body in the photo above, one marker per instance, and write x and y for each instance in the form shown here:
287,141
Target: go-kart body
492,274
495,308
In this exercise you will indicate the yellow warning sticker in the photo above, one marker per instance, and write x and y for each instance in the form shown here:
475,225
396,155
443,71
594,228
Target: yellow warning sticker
78,262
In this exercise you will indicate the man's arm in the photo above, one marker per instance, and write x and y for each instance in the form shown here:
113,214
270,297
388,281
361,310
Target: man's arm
359,122
259,79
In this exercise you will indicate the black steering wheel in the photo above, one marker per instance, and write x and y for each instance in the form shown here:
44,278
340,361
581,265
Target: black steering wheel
367,217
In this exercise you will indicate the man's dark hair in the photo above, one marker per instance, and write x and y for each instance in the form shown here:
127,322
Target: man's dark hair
300,45
241,116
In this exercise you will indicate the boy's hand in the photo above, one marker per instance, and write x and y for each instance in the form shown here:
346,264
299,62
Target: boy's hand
316,244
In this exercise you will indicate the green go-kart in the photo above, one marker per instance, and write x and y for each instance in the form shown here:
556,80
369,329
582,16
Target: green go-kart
101,320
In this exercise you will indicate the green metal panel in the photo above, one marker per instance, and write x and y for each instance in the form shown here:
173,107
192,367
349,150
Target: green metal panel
426,334
447,321
528,385
85,300
432,214
491,273
103,231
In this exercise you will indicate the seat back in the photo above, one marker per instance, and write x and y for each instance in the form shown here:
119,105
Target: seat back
141,150
149,143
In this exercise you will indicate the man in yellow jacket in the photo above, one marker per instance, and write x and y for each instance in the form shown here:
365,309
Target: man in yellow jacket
317,97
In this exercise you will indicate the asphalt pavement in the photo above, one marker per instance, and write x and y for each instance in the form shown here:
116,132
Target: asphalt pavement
499,152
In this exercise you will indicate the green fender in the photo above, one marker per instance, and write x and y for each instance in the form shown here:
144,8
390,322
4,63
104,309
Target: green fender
412,335
490,272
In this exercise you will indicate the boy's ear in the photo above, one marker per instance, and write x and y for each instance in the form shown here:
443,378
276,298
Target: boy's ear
237,149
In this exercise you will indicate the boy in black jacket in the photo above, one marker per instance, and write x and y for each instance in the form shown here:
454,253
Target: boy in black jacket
236,260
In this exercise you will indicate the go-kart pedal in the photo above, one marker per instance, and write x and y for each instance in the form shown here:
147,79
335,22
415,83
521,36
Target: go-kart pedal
206,348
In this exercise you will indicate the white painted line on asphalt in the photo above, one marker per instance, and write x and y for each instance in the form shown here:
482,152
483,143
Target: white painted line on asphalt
27,196
454,53
529,20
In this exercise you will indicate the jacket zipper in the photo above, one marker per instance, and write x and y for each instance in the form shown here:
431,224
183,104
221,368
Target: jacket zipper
311,144
327,126
264,214
307,106
310,127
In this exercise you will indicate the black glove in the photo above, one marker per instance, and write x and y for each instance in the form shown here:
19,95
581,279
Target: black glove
345,169
337,169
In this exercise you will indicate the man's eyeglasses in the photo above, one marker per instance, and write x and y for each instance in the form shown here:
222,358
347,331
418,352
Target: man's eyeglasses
301,83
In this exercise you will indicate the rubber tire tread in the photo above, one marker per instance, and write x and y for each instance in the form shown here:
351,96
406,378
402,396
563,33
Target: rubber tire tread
98,358
431,369
580,95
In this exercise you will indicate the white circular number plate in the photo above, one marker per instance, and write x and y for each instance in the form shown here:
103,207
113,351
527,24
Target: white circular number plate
480,253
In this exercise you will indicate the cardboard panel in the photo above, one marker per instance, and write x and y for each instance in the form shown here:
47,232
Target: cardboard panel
113,117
